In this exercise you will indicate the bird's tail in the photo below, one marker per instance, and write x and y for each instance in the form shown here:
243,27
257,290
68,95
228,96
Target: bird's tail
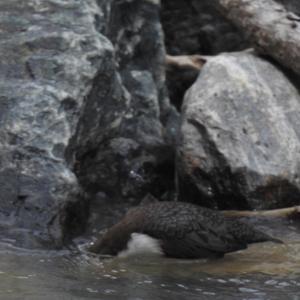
247,234
275,240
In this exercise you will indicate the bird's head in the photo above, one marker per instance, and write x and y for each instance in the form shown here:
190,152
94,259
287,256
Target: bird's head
115,239
109,244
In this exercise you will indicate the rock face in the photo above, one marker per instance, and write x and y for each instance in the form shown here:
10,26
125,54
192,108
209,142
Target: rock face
51,55
84,114
122,144
82,93
240,143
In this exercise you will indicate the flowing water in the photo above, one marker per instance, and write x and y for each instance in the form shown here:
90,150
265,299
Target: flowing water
263,271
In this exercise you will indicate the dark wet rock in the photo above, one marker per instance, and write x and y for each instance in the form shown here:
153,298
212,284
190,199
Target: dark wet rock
123,144
240,140
291,5
50,56
178,82
196,27
104,213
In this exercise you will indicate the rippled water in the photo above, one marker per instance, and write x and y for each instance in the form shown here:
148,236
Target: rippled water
264,271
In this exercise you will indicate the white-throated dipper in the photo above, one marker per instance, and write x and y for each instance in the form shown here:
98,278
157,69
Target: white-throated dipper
177,229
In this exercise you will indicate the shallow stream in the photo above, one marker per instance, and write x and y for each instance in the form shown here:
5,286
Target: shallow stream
263,271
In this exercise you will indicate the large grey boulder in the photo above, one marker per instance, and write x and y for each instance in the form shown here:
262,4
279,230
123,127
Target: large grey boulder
50,57
240,136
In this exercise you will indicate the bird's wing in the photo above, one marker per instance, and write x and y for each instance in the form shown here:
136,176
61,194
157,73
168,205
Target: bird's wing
193,235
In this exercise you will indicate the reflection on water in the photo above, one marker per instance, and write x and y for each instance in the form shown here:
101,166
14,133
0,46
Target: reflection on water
264,271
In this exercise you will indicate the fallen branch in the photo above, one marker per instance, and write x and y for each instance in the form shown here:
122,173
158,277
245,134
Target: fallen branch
281,212
272,29
194,62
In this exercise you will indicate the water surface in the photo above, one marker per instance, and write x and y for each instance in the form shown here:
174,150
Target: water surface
263,271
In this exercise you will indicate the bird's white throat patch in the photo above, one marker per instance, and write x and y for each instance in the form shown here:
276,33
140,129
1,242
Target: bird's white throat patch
141,244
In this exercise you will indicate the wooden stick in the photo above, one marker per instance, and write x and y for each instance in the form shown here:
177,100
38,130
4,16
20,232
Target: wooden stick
195,62
281,212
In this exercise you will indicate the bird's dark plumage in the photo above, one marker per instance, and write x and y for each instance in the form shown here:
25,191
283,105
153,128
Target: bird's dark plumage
184,230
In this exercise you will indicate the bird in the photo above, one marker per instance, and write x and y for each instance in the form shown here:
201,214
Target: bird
178,230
